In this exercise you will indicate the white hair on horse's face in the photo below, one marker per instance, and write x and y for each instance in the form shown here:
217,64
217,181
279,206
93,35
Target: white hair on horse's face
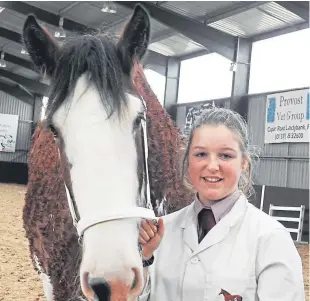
103,156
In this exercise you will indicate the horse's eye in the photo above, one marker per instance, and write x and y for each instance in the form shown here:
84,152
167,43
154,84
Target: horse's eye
138,120
53,130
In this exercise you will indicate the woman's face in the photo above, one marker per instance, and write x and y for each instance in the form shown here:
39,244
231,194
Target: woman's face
215,162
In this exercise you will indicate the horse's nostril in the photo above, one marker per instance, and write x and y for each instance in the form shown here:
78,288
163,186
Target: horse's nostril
101,288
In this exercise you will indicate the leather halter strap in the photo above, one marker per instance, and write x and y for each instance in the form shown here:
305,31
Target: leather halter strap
132,212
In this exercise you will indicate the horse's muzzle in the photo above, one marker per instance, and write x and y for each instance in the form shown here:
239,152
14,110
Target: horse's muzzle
99,289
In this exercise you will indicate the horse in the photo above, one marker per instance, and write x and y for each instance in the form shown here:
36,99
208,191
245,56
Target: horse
229,297
86,193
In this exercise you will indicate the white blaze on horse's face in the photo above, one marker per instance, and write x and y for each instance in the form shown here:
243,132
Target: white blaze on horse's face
98,151
104,178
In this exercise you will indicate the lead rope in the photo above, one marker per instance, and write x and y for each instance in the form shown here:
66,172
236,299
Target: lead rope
146,155
70,203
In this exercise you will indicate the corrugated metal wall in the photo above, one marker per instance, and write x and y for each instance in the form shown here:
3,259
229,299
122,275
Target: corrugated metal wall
277,169
12,105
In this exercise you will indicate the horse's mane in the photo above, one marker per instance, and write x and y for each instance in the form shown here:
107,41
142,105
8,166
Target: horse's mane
98,58
47,219
166,149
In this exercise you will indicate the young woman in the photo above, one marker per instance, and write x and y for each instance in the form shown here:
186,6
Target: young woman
221,247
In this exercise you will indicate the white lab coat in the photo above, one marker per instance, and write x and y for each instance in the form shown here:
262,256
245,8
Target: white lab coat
247,253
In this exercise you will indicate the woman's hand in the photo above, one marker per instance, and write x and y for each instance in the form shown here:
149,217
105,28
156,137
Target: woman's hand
150,236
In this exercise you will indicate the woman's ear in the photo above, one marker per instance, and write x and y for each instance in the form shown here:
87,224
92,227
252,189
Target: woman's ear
42,48
245,163
135,38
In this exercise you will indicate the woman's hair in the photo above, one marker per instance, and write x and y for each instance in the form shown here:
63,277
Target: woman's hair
233,121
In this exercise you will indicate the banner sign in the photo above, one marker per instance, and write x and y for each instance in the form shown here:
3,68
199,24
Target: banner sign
8,132
287,117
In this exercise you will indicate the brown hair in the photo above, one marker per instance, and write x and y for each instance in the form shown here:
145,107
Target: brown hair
233,121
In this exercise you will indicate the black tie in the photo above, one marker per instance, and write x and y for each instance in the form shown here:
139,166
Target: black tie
206,222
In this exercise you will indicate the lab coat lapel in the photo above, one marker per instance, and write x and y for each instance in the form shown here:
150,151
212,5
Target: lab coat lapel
222,228
189,225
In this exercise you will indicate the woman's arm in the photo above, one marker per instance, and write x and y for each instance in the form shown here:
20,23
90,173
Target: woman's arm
149,237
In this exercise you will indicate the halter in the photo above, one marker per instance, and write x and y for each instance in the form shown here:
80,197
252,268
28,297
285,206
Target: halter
133,212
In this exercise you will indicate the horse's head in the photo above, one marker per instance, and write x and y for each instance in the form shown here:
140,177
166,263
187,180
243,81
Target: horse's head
98,123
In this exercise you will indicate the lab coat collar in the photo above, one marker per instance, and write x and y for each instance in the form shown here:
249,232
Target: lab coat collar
216,234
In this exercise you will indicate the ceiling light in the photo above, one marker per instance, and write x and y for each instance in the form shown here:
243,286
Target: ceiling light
109,8
2,61
1,9
233,67
61,32
24,51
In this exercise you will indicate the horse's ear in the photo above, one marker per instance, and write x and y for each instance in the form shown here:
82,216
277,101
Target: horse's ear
135,38
40,45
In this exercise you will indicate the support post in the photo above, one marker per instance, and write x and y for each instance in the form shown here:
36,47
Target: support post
172,86
240,82
37,109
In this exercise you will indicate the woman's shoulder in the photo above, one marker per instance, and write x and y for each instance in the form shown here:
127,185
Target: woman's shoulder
263,223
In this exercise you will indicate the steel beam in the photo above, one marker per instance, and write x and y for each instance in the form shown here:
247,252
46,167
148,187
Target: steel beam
17,92
240,82
10,35
43,15
193,54
69,7
213,17
155,62
237,8
212,39
281,31
32,85
19,61
299,8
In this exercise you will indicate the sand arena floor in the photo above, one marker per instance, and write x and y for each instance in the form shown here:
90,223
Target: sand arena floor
18,280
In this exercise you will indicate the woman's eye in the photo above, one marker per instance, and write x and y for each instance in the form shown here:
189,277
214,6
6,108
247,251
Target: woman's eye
225,156
201,154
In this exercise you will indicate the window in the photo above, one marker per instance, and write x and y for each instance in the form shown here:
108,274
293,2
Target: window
204,78
44,105
280,63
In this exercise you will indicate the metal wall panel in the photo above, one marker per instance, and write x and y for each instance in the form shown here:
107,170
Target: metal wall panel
270,172
299,149
298,174
12,105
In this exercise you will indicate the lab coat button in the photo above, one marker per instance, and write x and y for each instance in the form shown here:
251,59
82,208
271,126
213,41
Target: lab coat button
194,260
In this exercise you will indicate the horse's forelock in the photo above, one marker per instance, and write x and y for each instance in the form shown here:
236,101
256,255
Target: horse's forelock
97,56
